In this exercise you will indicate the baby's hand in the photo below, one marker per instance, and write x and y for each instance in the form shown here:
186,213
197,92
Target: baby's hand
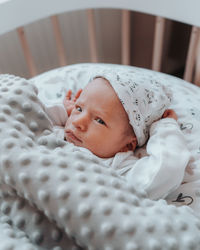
69,102
170,113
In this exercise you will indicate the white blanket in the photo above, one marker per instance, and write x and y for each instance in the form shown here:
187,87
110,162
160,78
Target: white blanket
49,194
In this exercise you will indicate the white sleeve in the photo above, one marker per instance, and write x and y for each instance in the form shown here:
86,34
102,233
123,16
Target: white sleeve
162,171
57,114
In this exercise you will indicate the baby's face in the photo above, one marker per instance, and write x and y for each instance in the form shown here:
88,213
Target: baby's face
98,121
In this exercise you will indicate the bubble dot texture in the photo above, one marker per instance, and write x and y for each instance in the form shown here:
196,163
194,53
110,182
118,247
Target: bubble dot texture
53,196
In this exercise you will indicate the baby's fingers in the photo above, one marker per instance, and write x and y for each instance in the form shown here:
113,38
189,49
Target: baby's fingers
69,95
170,113
77,94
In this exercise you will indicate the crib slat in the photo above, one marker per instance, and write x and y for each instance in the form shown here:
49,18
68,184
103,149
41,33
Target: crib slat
27,53
92,35
59,41
191,55
197,66
125,37
158,43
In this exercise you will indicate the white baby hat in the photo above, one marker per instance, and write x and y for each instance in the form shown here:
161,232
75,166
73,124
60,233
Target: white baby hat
143,99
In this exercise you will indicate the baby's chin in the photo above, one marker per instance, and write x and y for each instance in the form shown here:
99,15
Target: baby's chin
99,154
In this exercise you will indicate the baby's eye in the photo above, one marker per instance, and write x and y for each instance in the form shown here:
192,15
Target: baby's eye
78,108
99,120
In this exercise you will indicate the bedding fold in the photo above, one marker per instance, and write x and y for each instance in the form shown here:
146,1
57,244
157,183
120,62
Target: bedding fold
74,195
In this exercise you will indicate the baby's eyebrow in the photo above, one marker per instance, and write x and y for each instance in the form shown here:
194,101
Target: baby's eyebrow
78,102
102,113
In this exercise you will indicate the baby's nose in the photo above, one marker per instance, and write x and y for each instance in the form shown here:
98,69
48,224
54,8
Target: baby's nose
81,122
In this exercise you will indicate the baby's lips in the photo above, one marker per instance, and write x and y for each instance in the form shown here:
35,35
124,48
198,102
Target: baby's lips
72,135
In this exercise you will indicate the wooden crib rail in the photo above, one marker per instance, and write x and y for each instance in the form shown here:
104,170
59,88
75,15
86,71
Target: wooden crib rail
59,41
192,54
35,10
28,11
27,53
92,35
125,38
197,65
158,43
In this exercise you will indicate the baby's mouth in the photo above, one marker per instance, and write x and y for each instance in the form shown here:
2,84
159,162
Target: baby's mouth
71,136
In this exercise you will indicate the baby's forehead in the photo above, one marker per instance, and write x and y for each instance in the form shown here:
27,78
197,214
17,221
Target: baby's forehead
99,87
99,80
106,100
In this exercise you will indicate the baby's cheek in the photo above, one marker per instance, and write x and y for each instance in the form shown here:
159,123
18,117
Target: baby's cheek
92,141
68,122
65,124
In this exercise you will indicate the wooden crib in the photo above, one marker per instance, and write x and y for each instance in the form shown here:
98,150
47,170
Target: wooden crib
17,14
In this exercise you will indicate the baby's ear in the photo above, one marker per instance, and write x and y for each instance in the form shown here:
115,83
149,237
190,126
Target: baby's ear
131,146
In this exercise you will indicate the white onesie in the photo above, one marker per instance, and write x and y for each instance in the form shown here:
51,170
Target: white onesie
160,172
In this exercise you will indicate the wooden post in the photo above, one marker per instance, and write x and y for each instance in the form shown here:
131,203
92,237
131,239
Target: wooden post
59,41
125,37
27,52
92,35
191,55
158,43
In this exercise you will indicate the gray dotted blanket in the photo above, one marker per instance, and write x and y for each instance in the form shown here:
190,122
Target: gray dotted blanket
51,198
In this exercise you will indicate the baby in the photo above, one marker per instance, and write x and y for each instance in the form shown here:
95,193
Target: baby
97,120
117,112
